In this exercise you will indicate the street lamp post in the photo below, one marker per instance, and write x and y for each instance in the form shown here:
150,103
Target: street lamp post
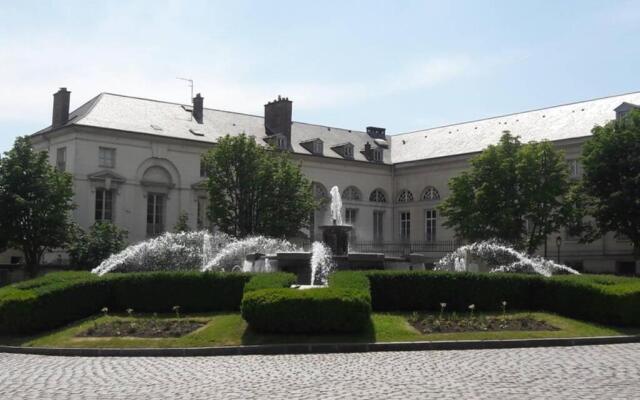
558,244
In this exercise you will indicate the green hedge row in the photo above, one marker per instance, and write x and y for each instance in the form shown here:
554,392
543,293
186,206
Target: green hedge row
50,301
603,299
345,306
268,305
58,298
270,281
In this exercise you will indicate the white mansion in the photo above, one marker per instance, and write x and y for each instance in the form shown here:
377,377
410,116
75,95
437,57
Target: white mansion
136,162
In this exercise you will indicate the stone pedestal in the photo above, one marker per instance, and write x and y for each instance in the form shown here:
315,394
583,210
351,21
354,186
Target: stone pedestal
337,238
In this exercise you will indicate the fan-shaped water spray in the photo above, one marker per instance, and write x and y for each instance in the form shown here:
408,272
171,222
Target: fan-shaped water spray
236,252
497,257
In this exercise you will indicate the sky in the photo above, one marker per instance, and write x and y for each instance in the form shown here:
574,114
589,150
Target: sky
403,65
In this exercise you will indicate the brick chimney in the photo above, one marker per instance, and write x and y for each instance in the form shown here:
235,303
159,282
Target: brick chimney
198,102
277,118
60,108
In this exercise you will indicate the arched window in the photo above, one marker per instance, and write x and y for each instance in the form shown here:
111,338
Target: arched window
405,196
430,193
378,196
351,193
319,191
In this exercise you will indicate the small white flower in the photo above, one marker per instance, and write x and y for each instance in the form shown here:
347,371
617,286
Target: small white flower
472,307
504,303
443,305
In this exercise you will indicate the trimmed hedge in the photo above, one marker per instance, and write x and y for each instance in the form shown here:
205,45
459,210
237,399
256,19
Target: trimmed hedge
62,297
268,305
50,301
603,299
345,306
270,281
192,291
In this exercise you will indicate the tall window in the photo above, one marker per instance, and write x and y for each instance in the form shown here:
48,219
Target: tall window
430,193
430,221
202,213
351,193
350,215
203,169
405,196
378,227
574,168
155,214
61,159
378,196
104,205
405,225
107,157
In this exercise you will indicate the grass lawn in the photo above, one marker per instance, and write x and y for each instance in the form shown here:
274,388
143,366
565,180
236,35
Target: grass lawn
224,329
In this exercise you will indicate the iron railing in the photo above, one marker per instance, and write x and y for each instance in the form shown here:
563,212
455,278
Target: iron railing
404,248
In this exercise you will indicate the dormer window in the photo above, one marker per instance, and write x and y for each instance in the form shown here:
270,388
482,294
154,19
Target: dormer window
345,150
624,108
278,141
348,151
314,146
377,155
317,147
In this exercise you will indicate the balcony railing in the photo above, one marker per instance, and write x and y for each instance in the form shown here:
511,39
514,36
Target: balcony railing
404,248
397,249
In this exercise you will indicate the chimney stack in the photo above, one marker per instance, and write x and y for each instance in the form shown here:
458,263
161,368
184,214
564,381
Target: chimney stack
277,118
60,108
198,102
376,133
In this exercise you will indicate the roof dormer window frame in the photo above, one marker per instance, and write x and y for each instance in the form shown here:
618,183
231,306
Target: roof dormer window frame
376,155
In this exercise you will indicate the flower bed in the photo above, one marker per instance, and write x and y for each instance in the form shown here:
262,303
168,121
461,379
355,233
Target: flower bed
145,328
428,323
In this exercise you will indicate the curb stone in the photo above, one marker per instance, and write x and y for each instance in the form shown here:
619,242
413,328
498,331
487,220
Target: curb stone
316,348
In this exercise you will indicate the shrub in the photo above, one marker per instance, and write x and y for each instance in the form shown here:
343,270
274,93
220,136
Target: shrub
50,301
602,299
193,291
345,306
58,298
89,249
408,291
306,311
270,280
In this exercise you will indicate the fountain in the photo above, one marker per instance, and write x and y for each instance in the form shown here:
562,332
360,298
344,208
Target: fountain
205,251
492,256
336,236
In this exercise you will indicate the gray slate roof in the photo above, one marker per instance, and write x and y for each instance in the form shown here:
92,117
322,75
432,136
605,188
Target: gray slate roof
554,123
134,114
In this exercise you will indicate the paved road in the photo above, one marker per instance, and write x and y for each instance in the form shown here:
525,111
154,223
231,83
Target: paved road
590,372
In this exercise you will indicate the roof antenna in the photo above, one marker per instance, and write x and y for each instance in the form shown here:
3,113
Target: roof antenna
191,98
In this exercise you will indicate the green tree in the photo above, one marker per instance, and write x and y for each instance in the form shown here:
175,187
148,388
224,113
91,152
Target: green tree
254,190
513,192
88,250
182,224
611,180
35,200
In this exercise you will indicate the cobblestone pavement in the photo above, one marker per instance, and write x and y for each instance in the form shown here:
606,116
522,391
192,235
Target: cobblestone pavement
589,372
